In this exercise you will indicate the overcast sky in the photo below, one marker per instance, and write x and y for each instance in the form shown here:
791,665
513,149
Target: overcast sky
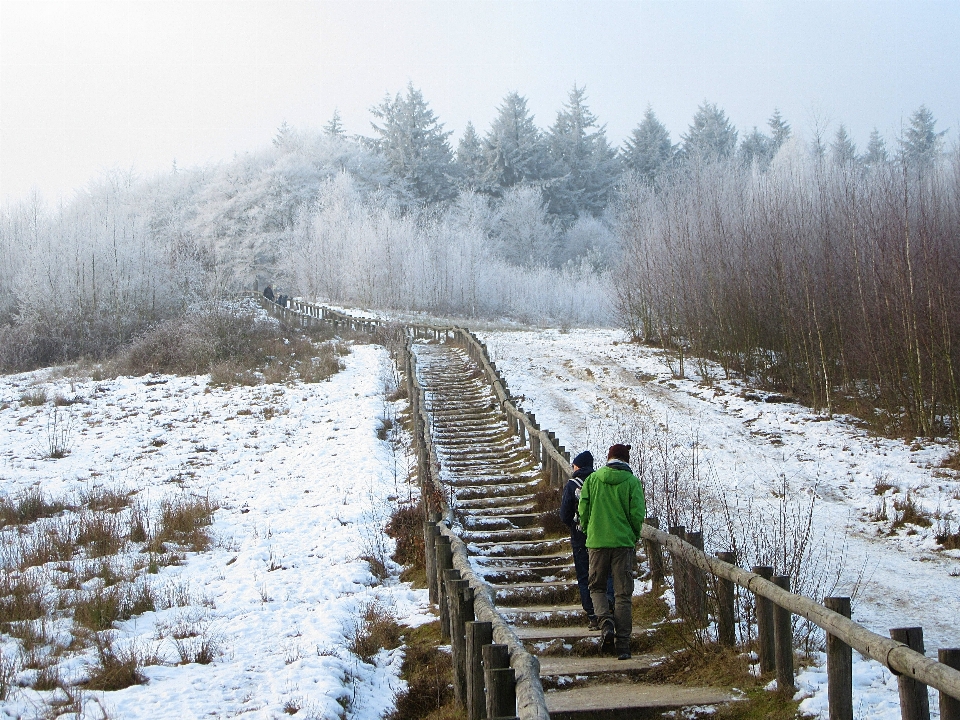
90,86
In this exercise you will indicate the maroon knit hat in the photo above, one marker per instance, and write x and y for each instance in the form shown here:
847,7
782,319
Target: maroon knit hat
619,452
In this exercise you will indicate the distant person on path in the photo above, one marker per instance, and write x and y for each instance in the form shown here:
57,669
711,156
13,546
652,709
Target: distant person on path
582,467
268,293
612,509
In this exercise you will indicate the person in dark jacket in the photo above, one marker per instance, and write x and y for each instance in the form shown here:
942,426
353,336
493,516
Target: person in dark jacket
582,467
612,510
268,293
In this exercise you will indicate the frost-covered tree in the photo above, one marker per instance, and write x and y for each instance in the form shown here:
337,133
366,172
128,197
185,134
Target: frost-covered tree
584,166
414,144
756,148
334,126
710,137
648,151
876,153
469,159
521,231
779,130
843,151
921,143
513,147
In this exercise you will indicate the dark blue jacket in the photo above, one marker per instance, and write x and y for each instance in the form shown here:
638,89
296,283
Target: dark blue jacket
569,503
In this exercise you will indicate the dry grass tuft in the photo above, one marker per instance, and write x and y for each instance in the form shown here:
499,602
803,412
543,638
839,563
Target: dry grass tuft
427,672
183,521
28,506
376,629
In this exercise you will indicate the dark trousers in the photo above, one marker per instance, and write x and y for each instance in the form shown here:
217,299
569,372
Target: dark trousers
620,563
581,561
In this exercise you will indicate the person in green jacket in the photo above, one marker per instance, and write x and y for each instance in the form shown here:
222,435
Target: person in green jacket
612,509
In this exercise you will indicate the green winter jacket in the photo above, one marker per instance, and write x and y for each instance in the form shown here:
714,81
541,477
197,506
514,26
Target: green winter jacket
612,507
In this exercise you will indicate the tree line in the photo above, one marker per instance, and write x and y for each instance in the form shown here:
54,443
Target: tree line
816,268
831,276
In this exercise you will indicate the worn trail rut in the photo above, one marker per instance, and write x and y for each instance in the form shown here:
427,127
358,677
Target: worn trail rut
493,482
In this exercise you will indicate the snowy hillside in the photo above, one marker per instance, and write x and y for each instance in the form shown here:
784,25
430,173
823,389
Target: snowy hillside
592,388
301,482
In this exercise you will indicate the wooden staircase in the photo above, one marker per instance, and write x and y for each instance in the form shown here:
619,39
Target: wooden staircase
493,484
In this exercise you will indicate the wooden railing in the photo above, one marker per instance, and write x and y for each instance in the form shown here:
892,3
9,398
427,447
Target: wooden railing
902,653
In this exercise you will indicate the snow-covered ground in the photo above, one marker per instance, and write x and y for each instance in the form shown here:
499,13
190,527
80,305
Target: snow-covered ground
591,386
302,483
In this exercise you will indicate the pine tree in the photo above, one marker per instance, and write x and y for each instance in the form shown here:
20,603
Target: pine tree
513,148
842,149
648,151
469,159
876,153
334,127
711,137
779,130
921,143
414,145
756,148
584,166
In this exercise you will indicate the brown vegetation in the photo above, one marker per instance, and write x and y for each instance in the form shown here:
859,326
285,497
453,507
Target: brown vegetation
834,284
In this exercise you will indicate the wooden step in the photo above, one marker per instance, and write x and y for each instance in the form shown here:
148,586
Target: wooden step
631,701
585,666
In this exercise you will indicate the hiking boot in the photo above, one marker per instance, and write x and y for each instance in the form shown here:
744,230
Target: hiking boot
607,636
623,649
624,655
593,623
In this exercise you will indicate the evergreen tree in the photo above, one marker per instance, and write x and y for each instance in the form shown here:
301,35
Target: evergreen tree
842,149
334,127
711,137
414,145
921,143
286,137
513,148
756,148
469,159
779,131
648,151
876,153
584,166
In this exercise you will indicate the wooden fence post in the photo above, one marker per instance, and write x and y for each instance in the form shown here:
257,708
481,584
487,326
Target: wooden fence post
458,646
696,584
949,706
500,682
679,576
478,634
726,600
654,555
914,701
783,639
444,562
839,666
765,647
430,533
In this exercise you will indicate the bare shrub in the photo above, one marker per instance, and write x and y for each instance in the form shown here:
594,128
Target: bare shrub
908,512
35,397
406,528
51,540
58,440
9,669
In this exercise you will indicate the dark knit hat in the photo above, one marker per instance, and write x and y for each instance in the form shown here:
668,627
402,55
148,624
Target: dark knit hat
619,452
584,459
